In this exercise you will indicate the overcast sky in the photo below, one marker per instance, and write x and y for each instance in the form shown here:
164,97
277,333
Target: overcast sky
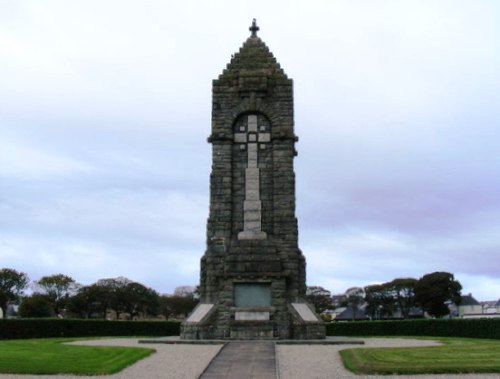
105,110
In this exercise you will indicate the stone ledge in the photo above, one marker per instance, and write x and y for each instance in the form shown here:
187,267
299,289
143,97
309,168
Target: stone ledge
327,341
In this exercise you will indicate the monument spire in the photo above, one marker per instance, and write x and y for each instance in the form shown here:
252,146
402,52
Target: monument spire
252,277
254,28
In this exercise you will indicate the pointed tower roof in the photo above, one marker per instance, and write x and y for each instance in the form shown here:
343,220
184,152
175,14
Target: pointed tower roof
253,59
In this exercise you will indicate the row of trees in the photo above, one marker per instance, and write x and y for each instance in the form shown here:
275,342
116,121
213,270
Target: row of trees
60,295
432,293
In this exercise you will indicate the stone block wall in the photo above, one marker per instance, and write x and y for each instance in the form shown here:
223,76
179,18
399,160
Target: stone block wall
252,234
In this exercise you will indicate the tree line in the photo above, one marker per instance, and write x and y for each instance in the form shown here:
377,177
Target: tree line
60,295
432,294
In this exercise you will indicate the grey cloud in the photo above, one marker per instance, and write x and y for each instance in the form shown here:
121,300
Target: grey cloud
104,164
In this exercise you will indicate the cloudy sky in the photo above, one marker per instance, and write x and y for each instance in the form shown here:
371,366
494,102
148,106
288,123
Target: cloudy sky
105,110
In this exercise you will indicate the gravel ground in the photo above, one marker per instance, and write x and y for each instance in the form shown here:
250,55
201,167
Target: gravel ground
323,361
294,361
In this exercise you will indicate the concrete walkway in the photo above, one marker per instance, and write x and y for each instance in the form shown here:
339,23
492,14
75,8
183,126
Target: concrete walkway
243,360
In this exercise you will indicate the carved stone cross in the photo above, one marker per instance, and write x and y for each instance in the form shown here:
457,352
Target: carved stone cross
250,138
254,28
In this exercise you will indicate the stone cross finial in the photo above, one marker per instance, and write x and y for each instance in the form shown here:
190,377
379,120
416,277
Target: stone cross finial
254,28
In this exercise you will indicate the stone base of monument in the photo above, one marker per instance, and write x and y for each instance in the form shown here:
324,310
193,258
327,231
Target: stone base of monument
306,325
300,323
257,330
199,324
176,340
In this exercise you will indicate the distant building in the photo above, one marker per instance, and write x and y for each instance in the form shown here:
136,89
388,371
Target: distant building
491,307
471,308
348,314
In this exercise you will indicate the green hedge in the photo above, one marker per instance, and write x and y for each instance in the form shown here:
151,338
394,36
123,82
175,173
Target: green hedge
472,328
44,328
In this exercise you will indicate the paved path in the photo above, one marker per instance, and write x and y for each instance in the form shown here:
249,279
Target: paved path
243,360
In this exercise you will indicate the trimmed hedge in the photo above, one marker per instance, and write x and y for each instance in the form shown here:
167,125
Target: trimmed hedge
45,328
471,328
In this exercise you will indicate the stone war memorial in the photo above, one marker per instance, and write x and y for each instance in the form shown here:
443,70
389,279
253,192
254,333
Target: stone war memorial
253,274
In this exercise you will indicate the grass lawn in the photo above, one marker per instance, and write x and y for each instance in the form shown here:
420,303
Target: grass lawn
456,355
52,356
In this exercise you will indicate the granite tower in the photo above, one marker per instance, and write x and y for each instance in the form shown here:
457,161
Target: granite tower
252,283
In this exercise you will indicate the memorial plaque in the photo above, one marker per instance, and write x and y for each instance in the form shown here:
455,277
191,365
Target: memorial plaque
252,316
252,295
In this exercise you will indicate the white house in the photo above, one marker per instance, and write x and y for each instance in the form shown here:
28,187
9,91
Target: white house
471,308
